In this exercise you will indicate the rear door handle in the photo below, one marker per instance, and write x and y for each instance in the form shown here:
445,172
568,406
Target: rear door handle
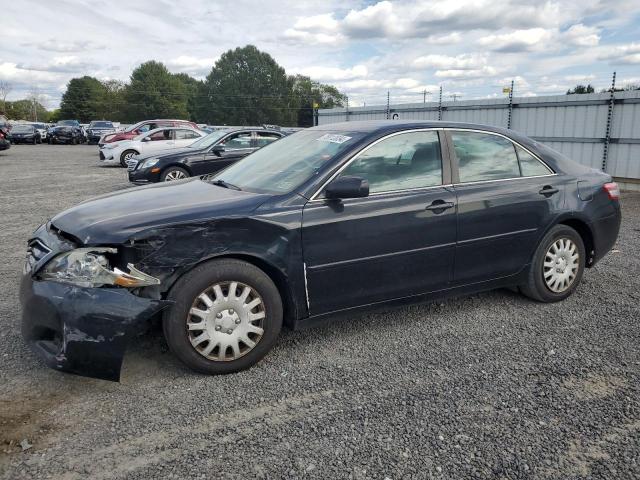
439,206
548,190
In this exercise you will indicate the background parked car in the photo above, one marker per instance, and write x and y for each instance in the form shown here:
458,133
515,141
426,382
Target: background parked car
145,126
66,131
24,133
210,154
4,132
97,129
42,129
150,142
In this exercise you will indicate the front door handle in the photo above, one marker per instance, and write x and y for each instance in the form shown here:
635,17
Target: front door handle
439,206
548,190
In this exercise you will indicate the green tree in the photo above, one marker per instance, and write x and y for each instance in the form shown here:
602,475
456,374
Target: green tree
154,92
581,89
195,92
54,116
114,102
24,110
84,100
307,93
247,87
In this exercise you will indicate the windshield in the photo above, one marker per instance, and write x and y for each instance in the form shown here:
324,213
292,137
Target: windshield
101,125
38,125
22,129
206,142
71,123
286,164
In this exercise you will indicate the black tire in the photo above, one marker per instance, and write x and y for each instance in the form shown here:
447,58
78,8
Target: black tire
536,287
191,285
170,170
35,140
123,162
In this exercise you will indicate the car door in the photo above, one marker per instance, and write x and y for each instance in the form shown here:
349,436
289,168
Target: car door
397,242
228,150
185,137
506,198
161,140
262,139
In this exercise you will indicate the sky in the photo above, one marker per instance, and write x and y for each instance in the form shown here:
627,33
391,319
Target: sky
365,48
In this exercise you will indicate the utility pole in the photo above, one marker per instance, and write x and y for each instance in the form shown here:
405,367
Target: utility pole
347,108
388,110
607,137
424,95
510,106
455,96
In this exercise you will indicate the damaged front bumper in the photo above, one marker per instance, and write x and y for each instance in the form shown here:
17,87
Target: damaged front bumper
81,330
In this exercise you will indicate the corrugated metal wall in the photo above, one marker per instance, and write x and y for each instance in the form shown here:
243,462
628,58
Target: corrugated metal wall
575,125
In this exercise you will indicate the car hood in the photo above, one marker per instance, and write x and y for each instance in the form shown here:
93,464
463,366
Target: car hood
116,217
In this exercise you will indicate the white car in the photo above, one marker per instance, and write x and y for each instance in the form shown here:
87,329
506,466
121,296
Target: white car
167,138
42,128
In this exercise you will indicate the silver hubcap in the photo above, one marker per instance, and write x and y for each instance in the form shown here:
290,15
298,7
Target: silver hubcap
174,175
128,156
561,264
225,321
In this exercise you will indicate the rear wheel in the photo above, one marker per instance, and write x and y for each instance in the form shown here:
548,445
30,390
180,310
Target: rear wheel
227,315
174,173
126,156
557,266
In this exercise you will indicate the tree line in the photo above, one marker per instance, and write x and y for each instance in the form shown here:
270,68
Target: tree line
244,87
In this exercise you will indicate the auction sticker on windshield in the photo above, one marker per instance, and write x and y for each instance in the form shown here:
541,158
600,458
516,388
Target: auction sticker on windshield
334,138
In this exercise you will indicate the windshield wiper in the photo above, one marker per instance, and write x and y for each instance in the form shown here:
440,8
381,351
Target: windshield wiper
222,183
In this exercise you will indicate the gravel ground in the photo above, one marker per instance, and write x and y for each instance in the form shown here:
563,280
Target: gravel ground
486,386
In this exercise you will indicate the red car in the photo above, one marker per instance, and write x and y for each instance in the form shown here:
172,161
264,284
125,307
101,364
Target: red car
142,127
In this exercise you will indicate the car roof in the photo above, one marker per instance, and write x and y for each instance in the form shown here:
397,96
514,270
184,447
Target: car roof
381,126
183,127
165,120
249,129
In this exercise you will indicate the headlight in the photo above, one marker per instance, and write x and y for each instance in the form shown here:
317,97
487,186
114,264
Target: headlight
149,162
88,267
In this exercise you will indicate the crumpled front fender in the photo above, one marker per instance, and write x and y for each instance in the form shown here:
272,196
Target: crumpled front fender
82,330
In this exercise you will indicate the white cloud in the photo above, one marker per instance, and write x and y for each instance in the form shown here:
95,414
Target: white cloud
192,65
334,73
622,54
518,41
579,78
324,22
583,36
467,73
424,18
463,61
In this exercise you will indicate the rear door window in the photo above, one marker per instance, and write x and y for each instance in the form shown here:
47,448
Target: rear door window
530,165
184,134
237,141
265,138
483,157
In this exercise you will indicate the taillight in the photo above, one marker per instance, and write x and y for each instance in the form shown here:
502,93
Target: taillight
613,190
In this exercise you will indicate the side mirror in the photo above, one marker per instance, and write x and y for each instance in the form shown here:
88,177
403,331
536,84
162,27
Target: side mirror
146,139
347,187
218,150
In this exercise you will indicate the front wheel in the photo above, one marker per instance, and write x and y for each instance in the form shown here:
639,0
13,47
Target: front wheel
227,315
174,173
557,266
126,156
